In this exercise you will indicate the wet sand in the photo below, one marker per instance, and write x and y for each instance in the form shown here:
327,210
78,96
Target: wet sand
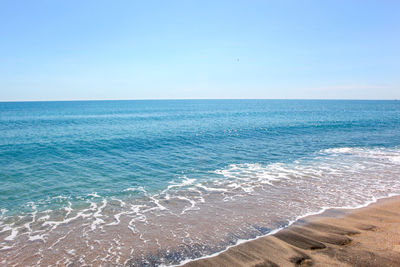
368,236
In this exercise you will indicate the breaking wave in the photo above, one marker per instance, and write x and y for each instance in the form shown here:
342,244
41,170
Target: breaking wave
194,217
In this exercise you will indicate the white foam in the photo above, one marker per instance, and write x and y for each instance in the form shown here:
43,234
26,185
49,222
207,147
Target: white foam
395,159
37,237
138,188
192,204
44,218
185,182
6,247
97,215
339,150
211,189
55,224
13,234
94,194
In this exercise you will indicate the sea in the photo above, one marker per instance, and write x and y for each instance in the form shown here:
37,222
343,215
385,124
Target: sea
163,182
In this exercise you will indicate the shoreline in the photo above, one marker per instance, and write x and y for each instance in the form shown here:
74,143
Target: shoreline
318,239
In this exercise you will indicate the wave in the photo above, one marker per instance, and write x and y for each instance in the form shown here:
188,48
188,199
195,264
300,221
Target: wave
193,217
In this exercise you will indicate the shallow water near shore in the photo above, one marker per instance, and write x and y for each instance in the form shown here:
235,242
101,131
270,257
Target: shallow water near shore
146,183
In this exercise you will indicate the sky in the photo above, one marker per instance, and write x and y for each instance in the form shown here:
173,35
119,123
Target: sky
303,49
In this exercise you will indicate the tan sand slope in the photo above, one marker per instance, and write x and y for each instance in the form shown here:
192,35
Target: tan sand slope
367,236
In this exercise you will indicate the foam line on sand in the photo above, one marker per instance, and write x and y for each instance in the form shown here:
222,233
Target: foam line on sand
368,236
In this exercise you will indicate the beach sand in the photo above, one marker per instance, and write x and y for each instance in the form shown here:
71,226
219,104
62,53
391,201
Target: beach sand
368,236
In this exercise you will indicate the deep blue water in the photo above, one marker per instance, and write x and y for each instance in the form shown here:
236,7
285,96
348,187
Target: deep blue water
50,149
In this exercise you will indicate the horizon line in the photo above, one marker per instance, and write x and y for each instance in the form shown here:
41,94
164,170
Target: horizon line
182,99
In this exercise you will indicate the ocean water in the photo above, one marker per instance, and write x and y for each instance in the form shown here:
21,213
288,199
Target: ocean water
149,183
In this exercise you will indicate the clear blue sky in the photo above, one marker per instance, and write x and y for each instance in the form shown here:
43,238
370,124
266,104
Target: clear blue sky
64,50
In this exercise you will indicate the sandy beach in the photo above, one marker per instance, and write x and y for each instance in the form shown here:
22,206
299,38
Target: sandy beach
368,236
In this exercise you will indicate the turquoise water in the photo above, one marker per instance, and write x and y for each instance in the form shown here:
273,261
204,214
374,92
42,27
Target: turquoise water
76,148
64,156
